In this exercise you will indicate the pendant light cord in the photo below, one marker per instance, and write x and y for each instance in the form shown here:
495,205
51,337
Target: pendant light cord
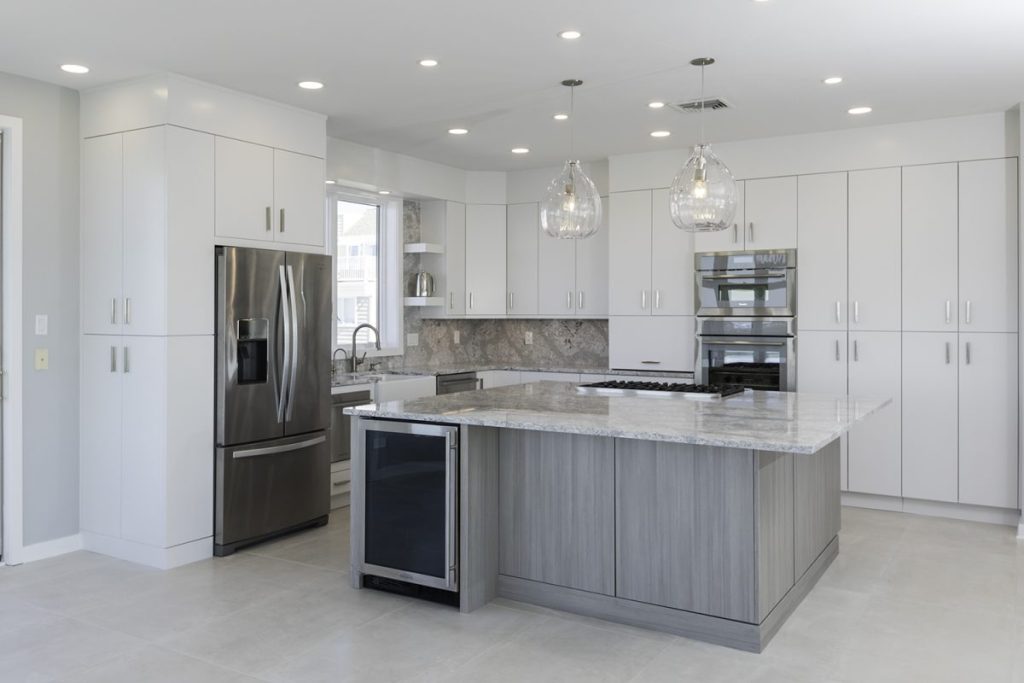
701,104
572,121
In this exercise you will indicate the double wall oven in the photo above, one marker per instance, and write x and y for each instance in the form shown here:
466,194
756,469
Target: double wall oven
746,319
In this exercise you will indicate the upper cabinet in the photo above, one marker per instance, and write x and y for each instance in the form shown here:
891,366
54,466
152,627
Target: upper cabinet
988,246
485,259
821,257
929,251
573,274
444,223
592,271
770,213
874,249
672,277
102,234
522,233
733,238
269,195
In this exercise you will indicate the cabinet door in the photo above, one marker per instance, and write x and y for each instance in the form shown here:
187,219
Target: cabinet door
875,249
485,259
245,190
770,212
821,260
930,248
988,420
671,262
988,245
557,275
521,244
145,232
822,369
875,443
730,239
102,234
592,273
930,415
629,244
455,257
661,343
100,434
299,198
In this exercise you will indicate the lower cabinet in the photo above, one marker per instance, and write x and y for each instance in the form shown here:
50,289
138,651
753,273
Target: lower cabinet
654,343
930,416
822,359
874,445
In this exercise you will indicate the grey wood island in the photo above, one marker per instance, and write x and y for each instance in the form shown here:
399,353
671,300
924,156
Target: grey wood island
710,519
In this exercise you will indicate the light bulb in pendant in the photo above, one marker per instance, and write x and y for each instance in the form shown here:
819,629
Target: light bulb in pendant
572,206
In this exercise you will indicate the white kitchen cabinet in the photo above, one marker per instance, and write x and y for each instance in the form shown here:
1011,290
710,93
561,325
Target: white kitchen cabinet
147,232
499,378
443,222
404,388
770,213
522,258
245,190
485,259
874,372
822,368
874,248
929,251
988,434
672,277
557,276
100,434
651,343
929,409
630,245
732,238
988,245
821,252
592,272
299,198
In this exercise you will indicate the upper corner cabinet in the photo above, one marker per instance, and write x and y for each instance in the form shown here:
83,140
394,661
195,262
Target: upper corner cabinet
268,195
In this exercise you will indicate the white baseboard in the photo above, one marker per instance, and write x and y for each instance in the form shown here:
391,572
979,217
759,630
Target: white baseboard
929,508
47,549
140,553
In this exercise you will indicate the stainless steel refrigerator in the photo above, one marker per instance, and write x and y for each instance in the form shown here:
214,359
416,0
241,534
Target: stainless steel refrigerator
273,394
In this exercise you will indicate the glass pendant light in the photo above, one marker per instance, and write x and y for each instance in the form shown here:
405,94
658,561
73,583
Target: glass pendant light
571,208
703,194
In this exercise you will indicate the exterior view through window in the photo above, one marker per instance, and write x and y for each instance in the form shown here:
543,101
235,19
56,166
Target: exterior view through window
358,266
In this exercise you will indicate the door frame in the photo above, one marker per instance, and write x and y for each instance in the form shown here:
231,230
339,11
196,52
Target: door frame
11,381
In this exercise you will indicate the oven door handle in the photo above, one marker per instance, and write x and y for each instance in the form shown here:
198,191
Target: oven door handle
743,342
743,274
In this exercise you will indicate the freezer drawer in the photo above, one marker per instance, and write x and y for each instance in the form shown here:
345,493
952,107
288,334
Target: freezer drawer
270,487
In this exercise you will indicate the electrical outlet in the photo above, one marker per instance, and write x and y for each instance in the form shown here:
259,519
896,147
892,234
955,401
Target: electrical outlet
456,336
42,325
412,339
529,338
42,357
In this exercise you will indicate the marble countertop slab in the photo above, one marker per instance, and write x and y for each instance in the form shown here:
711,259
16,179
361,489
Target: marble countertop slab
484,367
763,420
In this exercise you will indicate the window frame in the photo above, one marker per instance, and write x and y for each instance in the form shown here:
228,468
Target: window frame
390,249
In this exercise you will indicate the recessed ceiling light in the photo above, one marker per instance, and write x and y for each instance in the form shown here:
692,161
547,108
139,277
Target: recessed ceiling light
428,62
384,192
833,80
570,35
328,182
856,111
660,133
310,85
74,68
458,131
655,104
520,150
560,117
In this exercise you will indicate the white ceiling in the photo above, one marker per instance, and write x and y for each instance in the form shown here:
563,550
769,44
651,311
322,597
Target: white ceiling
501,62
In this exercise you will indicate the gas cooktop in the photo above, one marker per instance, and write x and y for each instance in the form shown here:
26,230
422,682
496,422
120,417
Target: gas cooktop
659,389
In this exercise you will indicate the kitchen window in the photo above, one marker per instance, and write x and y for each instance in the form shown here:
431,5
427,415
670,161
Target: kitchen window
368,266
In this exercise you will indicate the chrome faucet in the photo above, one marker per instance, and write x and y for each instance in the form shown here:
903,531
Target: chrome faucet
334,359
353,359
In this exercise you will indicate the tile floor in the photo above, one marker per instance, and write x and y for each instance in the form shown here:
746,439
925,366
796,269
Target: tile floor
908,599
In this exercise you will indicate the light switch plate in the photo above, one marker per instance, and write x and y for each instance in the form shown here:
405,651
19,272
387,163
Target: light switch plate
529,338
412,339
42,324
42,359
456,337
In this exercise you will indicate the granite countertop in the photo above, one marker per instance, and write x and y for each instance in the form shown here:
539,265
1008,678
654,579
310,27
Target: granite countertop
763,420
347,379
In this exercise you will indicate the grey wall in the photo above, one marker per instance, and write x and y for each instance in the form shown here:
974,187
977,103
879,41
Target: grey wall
50,268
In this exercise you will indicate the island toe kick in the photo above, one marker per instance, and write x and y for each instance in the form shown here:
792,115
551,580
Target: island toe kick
716,544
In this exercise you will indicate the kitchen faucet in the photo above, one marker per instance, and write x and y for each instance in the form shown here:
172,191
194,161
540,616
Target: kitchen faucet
353,359
334,359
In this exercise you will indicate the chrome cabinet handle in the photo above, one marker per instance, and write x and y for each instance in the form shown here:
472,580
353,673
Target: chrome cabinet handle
855,356
947,353
281,223
837,349
838,320
643,299
651,362
735,233
856,311
967,306
128,311
451,300
269,220
471,299
568,299
968,352
126,369
657,298
750,232
113,359
511,300
579,299
113,311
948,311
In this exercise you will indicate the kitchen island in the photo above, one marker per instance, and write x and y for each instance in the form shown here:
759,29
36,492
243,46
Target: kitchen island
710,519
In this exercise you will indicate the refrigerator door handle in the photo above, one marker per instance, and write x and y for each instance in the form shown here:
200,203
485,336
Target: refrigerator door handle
274,450
295,343
286,358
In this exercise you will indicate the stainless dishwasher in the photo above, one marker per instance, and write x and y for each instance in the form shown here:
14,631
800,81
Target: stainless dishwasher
458,381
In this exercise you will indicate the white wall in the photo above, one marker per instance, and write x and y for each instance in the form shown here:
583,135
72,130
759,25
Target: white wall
50,267
985,136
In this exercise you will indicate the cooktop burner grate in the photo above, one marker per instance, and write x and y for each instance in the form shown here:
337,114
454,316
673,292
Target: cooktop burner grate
660,389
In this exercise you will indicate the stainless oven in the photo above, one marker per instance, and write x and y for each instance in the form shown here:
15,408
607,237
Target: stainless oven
746,319
410,495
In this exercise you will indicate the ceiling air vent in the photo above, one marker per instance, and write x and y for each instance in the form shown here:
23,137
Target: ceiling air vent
713,104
